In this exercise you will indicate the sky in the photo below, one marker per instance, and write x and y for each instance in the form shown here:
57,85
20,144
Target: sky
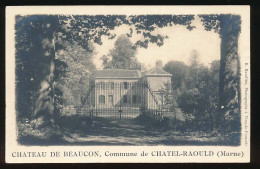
178,46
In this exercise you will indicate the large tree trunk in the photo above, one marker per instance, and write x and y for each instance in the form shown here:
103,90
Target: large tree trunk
229,75
44,105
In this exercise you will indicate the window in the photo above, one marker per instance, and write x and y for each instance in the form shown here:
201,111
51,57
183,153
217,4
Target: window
110,99
111,85
103,85
125,85
101,99
134,84
125,99
134,99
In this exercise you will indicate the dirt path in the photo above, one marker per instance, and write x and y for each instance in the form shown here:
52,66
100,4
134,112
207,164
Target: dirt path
115,132
128,132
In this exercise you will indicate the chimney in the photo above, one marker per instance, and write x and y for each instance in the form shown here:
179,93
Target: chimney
159,63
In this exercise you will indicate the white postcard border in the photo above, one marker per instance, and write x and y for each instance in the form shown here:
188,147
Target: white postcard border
244,51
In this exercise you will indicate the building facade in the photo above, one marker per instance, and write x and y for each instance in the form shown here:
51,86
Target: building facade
121,88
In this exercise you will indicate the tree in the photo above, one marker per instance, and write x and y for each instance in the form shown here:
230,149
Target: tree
228,27
35,65
189,103
77,77
168,99
179,72
194,70
122,55
200,96
194,58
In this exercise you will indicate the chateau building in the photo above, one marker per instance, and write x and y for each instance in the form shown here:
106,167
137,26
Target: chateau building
130,88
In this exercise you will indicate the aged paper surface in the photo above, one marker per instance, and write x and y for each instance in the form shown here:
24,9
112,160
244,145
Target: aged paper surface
138,84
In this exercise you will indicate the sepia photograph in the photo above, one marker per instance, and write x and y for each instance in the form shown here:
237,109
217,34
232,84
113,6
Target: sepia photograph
130,79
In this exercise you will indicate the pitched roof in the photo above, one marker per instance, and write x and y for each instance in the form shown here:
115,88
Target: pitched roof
117,73
157,71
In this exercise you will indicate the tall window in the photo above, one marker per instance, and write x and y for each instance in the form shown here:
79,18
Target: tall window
125,85
125,99
103,85
134,99
110,99
102,99
134,84
111,85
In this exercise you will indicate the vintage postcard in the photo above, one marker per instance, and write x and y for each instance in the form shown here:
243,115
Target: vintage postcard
127,84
